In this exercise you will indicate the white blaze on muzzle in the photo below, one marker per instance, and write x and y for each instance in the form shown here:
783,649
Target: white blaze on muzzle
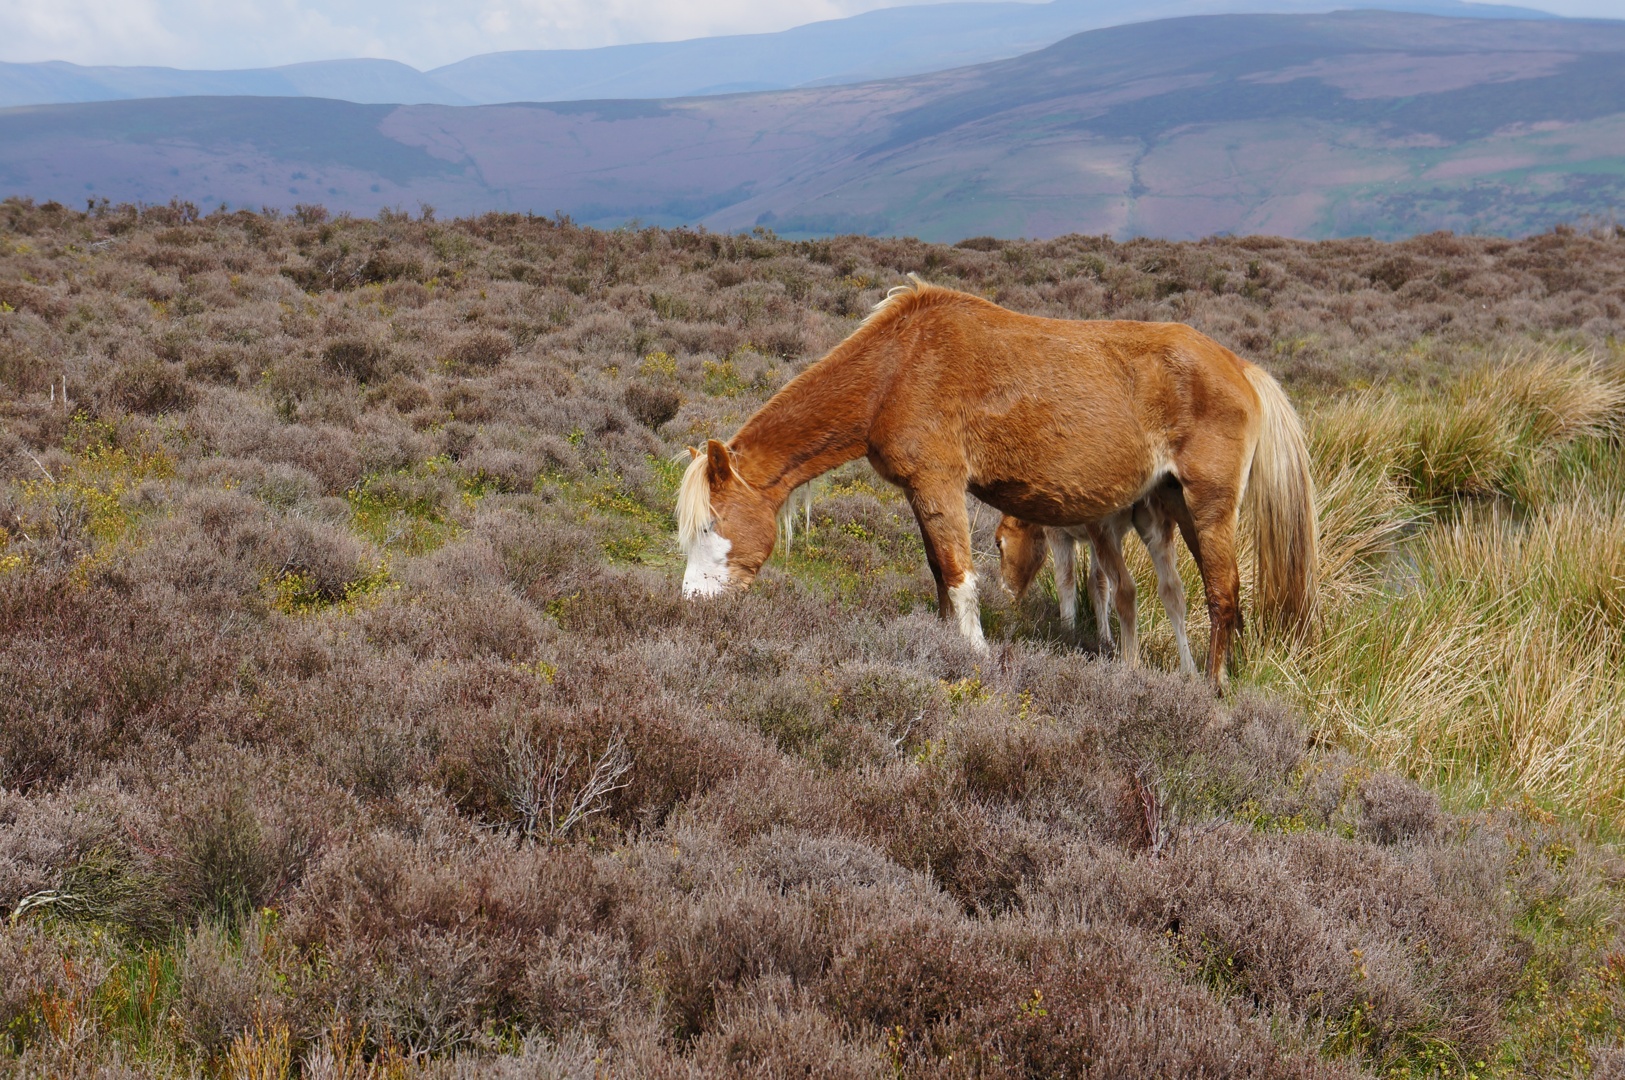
707,570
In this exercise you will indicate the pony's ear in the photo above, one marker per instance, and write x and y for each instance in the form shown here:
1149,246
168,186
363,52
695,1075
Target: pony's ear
693,452
718,469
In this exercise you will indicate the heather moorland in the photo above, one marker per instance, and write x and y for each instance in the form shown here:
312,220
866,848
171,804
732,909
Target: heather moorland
351,723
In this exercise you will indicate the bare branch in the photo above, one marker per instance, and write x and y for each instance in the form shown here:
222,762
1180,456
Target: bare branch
539,785
40,464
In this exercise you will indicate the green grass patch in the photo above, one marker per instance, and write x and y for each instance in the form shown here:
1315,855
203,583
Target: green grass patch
635,524
82,510
412,511
299,593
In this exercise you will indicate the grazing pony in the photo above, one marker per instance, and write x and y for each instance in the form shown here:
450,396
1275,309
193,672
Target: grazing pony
1022,548
1055,421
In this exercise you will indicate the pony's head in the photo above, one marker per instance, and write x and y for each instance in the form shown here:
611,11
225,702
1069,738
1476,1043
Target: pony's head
725,526
1021,553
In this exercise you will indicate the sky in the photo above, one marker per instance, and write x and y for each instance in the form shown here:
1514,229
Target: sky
422,33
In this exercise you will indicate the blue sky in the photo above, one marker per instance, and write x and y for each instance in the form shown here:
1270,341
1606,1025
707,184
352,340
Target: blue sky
423,33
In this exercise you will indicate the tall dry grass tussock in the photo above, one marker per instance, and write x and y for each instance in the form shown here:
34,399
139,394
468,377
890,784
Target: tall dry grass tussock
1484,644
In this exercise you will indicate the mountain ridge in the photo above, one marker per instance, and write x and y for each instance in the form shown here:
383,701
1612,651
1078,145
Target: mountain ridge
1355,122
880,44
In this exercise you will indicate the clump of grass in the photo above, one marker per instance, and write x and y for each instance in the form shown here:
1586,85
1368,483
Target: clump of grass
1482,647
1479,435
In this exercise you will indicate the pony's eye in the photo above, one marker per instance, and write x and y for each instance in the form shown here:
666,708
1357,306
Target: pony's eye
998,542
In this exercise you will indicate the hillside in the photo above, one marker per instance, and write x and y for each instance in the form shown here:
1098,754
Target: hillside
1309,126
351,724
874,45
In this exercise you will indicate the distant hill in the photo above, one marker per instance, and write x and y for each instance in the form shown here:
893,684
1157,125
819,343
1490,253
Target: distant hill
1310,126
364,81
877,45
880,44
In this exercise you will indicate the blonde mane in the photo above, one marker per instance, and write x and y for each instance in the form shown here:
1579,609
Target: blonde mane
913,294
694,513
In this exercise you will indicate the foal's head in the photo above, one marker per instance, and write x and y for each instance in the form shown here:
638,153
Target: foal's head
1021,553
726,527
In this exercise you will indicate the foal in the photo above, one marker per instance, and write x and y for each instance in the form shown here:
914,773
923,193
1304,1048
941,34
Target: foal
1021,556
1055,421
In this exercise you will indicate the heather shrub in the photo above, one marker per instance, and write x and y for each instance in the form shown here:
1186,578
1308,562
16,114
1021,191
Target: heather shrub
226,987
771,1028
357,358
351,721
22,372
112,887
652,405
227,862
1393,810
725,939
150,385
31,970
579,981
478,351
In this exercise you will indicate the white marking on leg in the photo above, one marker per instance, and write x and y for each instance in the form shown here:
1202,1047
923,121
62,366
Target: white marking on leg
707,570
963,598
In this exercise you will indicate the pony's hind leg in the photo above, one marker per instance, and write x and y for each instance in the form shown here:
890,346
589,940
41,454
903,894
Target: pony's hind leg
1212,507
1156,528
1064,550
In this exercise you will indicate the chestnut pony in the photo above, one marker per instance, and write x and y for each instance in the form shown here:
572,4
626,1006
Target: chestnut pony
1023,547
1055,421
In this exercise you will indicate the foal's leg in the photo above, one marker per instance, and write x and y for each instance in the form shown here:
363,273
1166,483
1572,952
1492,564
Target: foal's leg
945,527
1107,539
1156,527
1064,550
1100,592
1171,497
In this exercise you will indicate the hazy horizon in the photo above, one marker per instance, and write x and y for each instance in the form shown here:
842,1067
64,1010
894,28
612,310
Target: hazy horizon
204,34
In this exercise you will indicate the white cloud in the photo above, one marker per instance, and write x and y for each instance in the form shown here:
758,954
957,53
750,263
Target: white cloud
423,33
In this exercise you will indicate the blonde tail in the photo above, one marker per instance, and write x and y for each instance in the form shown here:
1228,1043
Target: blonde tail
1282,494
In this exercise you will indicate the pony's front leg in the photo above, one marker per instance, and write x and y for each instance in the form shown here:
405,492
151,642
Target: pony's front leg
936,572
945,527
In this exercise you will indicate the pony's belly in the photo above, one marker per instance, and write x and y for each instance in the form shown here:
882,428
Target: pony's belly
1062,503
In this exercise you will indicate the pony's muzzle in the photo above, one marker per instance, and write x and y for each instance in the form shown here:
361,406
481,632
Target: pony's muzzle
707,572
698,584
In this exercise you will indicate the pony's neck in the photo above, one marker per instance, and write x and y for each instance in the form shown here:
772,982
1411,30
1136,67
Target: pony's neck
819,420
